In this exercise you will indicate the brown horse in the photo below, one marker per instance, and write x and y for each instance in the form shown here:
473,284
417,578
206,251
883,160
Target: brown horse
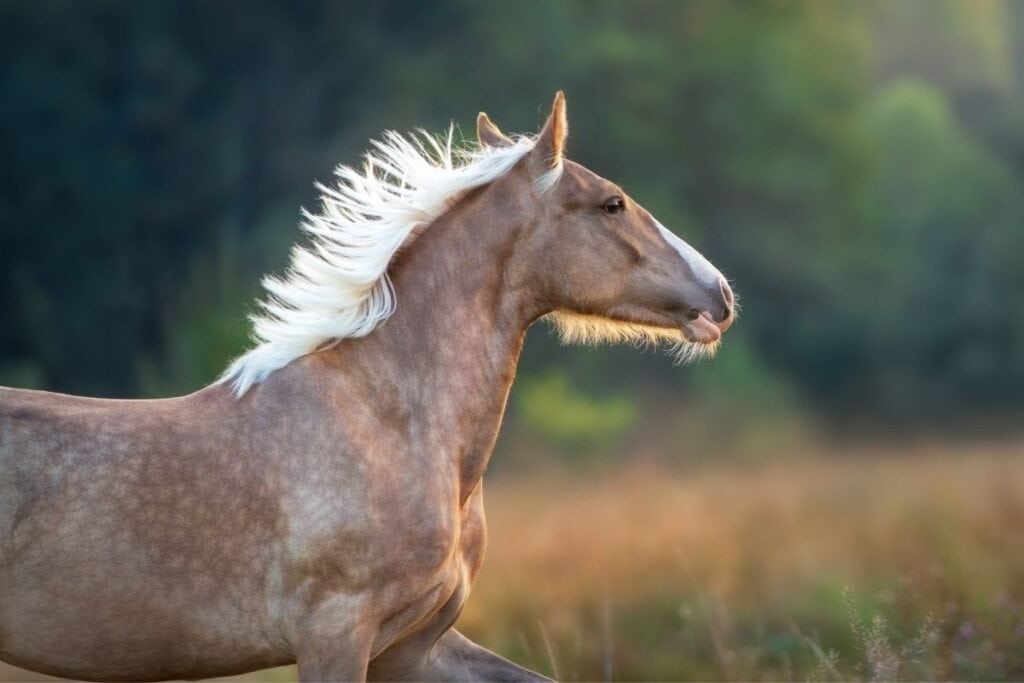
323,503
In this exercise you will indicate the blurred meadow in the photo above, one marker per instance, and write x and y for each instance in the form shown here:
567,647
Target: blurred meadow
838,495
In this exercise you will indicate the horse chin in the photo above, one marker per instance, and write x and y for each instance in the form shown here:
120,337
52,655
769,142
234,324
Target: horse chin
683,344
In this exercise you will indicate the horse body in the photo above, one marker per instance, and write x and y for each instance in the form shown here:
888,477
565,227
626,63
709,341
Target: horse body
333,513
226,522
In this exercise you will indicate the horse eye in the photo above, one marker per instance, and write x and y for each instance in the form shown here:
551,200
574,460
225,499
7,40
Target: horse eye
614,205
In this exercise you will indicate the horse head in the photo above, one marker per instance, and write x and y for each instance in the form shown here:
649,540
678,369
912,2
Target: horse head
604,266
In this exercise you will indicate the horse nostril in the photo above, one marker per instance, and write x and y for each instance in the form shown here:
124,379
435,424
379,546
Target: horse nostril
726,294
728,302
724,315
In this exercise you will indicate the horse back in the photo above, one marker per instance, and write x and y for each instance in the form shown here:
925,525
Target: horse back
41,425
131,526
46,437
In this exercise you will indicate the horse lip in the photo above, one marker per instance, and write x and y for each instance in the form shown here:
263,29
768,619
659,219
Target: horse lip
704,330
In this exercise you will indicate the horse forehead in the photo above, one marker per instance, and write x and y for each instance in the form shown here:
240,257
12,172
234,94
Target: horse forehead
579,178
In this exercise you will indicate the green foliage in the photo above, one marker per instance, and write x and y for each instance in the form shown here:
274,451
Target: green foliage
208,328
551,407
948,211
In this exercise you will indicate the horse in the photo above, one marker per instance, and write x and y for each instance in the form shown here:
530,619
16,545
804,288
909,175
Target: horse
322,502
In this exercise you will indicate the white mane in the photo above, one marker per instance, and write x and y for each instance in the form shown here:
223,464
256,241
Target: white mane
337,285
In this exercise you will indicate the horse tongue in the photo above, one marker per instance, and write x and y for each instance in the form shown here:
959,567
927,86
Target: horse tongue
703,330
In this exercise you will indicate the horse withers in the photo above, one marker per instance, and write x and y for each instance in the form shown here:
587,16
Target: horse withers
323,502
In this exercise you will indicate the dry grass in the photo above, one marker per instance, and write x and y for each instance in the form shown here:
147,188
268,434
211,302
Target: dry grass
869,566
907,566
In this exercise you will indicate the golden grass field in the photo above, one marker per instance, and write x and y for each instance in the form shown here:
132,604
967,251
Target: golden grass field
759,573
869,565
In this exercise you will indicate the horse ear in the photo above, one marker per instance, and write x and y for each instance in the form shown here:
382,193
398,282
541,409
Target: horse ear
489,134
551,141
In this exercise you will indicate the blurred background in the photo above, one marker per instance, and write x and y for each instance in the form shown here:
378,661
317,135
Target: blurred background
838,495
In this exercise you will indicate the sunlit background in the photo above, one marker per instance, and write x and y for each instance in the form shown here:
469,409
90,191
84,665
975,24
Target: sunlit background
838,495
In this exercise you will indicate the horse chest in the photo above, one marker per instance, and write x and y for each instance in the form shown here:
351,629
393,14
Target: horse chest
435,603
396,544
441,545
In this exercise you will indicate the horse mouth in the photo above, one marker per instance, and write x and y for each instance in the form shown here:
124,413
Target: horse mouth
629,321
703,330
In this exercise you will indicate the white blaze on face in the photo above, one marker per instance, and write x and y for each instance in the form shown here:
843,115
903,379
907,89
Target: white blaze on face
705,273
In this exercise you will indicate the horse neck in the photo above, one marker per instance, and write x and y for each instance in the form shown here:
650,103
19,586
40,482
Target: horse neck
452,345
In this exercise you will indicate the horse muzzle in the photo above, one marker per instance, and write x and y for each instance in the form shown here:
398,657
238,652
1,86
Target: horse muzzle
707,324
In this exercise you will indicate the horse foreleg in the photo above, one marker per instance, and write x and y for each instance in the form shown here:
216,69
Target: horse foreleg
332,645
457,658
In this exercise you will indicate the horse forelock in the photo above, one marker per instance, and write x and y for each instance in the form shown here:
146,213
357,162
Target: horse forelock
336,285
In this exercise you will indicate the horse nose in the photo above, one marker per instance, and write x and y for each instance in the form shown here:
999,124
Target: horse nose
723,313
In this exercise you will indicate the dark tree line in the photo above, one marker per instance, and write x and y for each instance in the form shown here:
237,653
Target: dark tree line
855,167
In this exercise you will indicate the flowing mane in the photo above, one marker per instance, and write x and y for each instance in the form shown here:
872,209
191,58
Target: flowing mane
337,286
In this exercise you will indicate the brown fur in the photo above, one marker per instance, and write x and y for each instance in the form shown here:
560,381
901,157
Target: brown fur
333,515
